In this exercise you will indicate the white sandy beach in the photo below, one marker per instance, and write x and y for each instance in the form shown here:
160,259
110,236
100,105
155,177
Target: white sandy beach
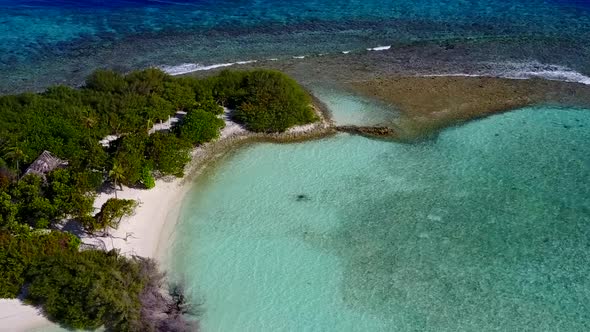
145,233
17,317
157,211
140,234
149,230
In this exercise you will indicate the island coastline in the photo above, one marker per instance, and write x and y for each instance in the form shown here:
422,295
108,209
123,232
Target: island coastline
150,230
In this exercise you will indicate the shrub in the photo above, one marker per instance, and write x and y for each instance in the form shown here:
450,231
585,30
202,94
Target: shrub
199,126
106,81
181,96
209,105
88,222
112,211
147,81
168,153
18,252
270,101
68,193
34,207
87,290
147,179
130,156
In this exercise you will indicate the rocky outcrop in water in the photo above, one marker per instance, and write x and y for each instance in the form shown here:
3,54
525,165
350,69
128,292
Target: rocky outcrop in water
379,132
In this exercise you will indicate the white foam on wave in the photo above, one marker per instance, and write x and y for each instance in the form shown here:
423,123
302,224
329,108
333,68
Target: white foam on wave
345,52
455,75
379,48
192,67
554,75
513,70
516,70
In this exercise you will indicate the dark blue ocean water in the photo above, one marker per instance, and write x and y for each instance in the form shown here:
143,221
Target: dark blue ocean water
49,41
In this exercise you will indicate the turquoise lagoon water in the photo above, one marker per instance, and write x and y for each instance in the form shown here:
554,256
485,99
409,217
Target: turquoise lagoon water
484,228
349,109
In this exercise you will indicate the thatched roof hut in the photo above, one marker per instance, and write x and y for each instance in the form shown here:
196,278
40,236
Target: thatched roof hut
45,163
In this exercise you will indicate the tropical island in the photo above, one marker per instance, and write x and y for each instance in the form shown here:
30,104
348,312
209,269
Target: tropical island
363,166
75,163
64,146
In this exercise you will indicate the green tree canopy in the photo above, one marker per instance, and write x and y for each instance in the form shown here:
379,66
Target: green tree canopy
87,290
106,81
264,100
199,126
93,288
111,213
168,153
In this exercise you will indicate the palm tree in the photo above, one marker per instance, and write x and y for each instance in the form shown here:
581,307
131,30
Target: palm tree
16,154
89,121
116,174
150,124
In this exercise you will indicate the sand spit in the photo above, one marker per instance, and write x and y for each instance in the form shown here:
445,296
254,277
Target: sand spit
428,104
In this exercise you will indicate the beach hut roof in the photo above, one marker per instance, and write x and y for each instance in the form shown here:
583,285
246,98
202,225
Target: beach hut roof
45,163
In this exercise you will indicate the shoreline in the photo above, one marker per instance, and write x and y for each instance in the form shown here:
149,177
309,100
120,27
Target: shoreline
160,206
149,232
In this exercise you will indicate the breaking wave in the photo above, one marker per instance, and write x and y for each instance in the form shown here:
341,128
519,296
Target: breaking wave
192,67
515,70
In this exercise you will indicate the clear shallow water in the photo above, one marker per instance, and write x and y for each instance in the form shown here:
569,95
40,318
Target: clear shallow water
484,228
45,42
347,109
